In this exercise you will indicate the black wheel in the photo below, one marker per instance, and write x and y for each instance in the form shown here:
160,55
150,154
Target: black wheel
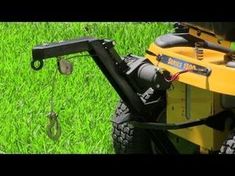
228,146
126,138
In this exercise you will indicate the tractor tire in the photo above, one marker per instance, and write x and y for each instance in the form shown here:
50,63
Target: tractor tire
228,146
128,139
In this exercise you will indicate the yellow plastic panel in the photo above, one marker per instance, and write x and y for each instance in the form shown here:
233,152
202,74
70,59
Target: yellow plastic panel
221,79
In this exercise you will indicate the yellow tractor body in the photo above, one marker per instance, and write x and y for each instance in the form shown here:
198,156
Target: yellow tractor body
193,96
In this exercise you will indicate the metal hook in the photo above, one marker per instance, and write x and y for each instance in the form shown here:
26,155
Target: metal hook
53,128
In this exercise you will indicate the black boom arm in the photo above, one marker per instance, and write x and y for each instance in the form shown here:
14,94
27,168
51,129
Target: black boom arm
120,74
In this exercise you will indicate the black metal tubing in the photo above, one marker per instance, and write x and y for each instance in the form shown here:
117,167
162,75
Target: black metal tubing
106,58
216,121
61,48
165,126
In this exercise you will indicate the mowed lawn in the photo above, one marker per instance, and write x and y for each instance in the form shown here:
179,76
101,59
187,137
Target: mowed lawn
85,101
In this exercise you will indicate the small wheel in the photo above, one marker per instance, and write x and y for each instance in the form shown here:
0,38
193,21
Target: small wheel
128,139
228,146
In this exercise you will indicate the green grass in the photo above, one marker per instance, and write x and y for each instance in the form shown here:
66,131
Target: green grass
85,100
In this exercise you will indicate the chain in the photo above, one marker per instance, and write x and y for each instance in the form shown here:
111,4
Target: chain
53,127
53,90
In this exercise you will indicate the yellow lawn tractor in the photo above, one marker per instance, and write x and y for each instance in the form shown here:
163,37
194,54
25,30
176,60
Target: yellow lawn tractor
178,99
